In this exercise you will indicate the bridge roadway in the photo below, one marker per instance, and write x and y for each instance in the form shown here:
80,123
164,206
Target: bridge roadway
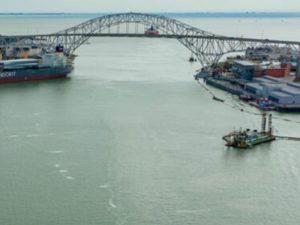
139,35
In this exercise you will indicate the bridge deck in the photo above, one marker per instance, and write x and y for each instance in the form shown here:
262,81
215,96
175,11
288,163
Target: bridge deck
139,35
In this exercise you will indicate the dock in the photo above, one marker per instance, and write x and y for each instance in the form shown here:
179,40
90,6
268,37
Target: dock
288,138
224,85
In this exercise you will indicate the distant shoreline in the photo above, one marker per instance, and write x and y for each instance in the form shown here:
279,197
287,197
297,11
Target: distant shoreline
174,14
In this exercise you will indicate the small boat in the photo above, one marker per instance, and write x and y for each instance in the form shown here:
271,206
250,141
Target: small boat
263,104
218,99
192,59
246,97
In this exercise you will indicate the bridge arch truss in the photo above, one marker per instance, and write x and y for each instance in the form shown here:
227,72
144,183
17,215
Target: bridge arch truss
206,46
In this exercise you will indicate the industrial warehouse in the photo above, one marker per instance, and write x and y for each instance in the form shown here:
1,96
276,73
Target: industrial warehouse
284,95
265,77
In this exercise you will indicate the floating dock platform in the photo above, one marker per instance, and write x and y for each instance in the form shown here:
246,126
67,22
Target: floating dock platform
246,138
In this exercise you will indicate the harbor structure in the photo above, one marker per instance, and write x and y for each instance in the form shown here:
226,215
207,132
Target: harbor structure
267,85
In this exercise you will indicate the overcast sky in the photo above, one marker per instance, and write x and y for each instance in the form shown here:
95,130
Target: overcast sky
149,5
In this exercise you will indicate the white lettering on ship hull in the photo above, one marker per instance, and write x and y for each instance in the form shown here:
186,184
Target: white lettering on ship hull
7,74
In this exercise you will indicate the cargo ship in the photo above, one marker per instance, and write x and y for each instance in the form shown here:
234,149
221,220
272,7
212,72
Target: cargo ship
246,138
29,64
152,31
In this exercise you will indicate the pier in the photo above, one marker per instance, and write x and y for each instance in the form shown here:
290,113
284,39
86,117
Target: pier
288,138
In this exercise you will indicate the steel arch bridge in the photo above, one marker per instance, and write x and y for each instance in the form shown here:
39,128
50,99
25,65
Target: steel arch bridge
206,46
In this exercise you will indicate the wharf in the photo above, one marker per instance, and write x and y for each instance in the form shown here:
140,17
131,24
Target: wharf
237,87
287,108
288,138
225,85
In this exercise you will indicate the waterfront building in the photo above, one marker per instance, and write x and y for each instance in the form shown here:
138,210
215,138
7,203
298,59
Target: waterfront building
277,90
248,70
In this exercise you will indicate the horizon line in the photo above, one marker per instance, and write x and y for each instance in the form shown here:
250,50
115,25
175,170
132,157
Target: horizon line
168,12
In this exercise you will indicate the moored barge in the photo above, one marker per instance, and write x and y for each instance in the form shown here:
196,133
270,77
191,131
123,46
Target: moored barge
247,138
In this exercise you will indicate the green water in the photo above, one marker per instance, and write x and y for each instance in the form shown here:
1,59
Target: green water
131,139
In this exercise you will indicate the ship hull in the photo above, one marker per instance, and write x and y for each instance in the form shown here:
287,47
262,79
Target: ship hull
263,140
34,74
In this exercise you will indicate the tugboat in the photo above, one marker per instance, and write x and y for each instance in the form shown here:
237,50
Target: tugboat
192,59
152,31
246,138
